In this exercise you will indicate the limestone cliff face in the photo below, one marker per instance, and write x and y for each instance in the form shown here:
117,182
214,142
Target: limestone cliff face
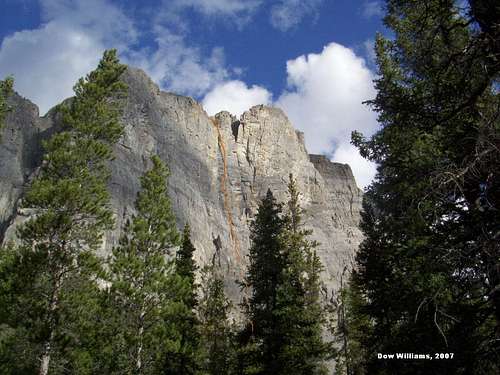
220,169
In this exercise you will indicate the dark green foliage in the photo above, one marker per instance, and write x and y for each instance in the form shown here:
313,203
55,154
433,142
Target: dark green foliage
147,293
285,317
70,190
300,312
266,265
217,350
18,352
185,264
185,361
428,271
5,90
69,202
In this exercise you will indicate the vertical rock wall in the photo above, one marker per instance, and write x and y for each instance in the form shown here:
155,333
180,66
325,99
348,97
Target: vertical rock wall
220,169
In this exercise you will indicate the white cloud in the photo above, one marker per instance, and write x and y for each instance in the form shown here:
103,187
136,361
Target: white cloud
173,13
238,8
324,100
46,62
289,13
372,8
181,68
235,97
98,18
178,65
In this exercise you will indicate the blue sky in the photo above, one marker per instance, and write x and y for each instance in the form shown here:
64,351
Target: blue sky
312,58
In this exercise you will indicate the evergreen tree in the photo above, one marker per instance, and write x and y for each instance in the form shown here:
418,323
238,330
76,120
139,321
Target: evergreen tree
186,266
70,206
146,291
5,91
18,354
216,334
284,333
299,308
185,360
266,264
428,271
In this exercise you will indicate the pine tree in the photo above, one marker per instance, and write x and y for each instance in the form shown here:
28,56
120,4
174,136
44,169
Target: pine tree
146,291
185,265
285,317
70,206
428,270
266,264
5,90
300,311
216,333
185,360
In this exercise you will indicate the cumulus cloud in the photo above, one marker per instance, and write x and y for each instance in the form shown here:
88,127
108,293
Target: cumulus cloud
372,8
46,62
324,100
287,14
235,97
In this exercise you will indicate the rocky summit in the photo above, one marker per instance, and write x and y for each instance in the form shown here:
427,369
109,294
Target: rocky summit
220,169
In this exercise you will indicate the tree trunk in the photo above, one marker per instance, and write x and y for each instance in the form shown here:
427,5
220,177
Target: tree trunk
45,360
47,345
138,359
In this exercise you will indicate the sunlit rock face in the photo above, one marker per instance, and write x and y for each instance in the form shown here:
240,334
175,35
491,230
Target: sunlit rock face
220,169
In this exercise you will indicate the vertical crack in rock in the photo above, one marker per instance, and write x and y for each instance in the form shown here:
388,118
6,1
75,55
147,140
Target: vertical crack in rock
228,211
225,193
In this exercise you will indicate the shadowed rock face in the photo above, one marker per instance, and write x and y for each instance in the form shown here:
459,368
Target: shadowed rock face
220,169
20,155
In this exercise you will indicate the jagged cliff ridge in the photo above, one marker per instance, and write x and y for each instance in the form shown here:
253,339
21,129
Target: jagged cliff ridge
220,168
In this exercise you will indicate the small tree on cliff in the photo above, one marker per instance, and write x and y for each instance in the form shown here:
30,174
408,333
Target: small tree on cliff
70,204
146,291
